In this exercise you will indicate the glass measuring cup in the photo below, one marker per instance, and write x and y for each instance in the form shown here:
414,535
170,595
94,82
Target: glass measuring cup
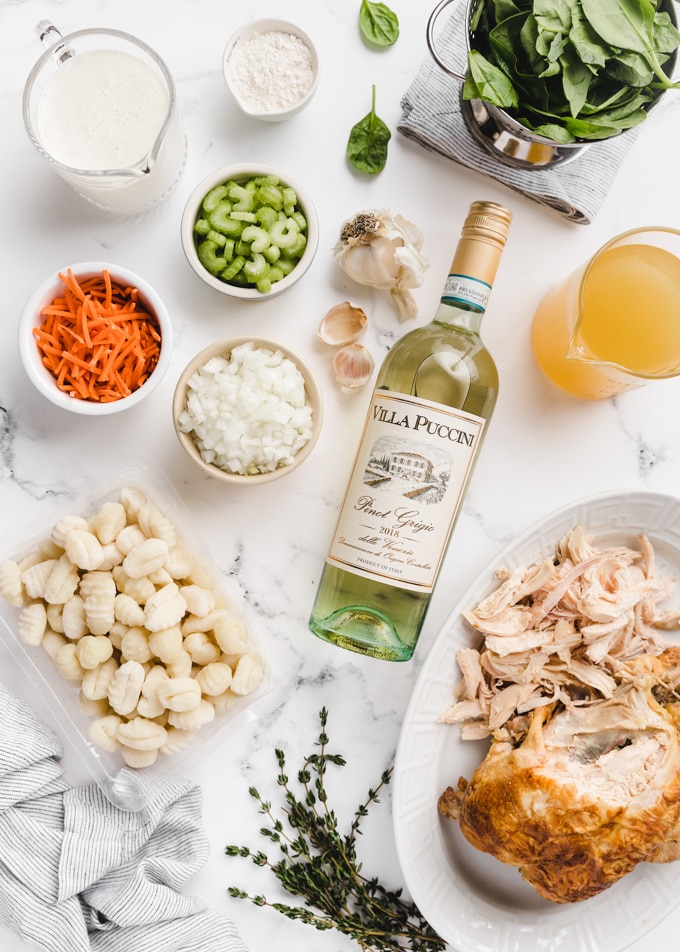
614,324
101,107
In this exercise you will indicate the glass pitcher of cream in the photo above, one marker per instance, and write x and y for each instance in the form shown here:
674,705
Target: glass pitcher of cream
101,107
614,324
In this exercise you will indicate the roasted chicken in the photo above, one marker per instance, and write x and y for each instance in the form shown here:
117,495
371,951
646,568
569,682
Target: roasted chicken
588,794
582,779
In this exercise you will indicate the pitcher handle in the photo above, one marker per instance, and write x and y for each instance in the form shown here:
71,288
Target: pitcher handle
53,40
434,16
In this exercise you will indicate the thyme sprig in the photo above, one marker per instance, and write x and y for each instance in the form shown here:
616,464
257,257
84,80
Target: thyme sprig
319,864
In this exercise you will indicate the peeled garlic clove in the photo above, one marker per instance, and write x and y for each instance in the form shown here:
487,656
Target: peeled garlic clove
353,365
343,324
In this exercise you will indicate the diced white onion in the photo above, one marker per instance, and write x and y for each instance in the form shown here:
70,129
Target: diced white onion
248,413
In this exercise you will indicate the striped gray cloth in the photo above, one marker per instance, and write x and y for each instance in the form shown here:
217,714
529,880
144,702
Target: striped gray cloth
431,115
77,873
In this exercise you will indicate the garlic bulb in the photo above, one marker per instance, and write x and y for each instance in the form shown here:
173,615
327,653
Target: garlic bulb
343,324
353,365
383,251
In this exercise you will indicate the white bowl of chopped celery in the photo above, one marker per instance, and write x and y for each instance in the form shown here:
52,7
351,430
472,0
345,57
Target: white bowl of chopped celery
249,231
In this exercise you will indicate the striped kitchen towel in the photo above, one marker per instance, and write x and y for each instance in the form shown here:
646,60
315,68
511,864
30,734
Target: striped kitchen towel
77,873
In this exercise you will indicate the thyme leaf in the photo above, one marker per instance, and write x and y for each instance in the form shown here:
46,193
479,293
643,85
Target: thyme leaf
318,863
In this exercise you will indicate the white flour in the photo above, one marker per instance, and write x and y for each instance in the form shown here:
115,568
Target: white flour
271,71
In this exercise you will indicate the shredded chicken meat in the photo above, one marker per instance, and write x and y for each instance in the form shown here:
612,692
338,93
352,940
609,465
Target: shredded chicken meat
560,630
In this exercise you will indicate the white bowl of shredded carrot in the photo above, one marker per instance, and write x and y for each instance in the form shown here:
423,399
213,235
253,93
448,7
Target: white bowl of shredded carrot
95,338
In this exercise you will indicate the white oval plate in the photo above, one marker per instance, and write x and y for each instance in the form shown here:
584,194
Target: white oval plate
472,900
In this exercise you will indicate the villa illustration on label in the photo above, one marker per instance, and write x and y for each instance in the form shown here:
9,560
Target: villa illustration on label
398,466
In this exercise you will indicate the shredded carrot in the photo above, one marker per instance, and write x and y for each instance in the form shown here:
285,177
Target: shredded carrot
97,340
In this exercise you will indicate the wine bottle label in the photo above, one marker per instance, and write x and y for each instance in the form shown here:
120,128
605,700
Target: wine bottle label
410,474
471,292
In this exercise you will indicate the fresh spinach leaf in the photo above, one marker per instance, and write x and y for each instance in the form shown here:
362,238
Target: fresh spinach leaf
576,80
378,23
551,130
628,25
367,143
666,36
591,50
491,82
553,15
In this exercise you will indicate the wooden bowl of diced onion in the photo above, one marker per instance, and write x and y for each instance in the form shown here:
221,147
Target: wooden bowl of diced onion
218,417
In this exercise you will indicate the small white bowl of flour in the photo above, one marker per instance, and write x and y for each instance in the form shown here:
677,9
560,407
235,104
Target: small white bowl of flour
271,68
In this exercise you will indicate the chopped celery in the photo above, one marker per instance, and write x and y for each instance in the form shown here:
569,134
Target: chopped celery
284,233
233,269
266,215
217,237
289,200
258,237
285,265
298,246
243,198
271,195
207,255
221,219
257,268
251,233
213,198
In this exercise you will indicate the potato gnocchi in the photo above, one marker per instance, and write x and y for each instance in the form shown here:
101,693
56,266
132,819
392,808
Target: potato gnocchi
133,621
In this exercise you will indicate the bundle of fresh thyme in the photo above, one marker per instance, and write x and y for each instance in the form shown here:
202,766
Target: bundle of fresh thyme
319,864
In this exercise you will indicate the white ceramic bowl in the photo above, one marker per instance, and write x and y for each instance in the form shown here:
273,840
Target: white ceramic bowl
224,348
242,172
44,381
250,105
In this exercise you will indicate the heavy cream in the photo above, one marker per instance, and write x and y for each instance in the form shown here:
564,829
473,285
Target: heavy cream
100,115
102,109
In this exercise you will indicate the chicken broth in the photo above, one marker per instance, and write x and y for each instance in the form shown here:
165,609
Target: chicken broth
630,318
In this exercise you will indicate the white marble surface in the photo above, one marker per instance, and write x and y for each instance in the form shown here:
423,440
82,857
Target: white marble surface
543,449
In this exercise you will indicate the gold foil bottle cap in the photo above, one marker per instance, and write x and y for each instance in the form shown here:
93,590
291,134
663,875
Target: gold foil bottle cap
487,221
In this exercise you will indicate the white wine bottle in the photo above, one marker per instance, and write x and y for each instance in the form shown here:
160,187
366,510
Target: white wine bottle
434,395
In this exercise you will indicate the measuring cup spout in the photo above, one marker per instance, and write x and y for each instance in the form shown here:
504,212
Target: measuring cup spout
53,40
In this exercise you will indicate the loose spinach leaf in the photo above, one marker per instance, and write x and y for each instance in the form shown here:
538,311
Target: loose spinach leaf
367,143
378,24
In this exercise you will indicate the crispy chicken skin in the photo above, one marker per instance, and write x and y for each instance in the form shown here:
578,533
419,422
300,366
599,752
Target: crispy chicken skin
589,792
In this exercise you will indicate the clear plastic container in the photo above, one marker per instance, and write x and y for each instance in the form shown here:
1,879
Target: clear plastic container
60,697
